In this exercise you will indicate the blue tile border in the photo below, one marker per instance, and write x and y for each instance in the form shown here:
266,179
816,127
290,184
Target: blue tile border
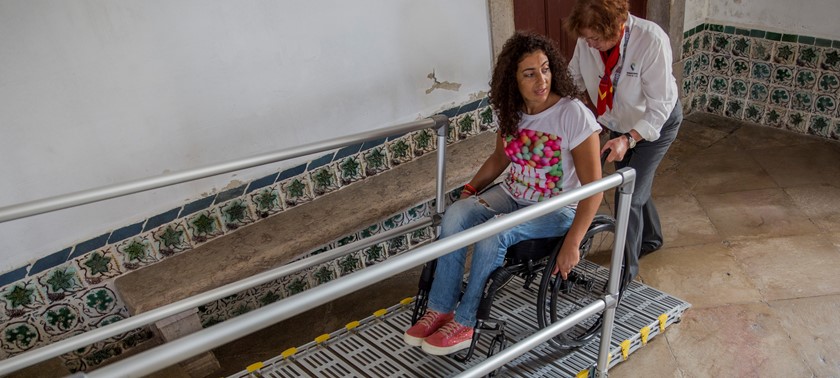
161,219
347,151
196,206
262,182
320,162
125,232
372,143
50,261
230,194
469,107
291,172
15,275
89,245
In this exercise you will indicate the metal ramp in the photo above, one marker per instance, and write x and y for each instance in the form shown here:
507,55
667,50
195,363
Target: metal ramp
373,347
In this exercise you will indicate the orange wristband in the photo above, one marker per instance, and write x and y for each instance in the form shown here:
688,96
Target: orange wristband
471,189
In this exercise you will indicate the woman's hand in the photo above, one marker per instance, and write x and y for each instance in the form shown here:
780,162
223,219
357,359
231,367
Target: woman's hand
567,258
618,147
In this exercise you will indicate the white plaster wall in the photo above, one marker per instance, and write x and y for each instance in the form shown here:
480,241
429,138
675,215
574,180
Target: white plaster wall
97,92
816,18
696,12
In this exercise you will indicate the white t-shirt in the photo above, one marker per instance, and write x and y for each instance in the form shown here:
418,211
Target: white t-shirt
541,151
646,91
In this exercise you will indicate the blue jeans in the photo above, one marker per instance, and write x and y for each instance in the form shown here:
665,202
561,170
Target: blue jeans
489,253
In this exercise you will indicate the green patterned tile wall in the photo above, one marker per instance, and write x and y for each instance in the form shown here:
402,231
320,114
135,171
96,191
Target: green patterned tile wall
72,291
781,80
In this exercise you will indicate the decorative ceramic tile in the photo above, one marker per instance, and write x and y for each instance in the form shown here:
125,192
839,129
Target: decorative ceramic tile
370,231
696,43
295,283
466,125
828,82
59,282
296,190
775,117
706,41
423,141
808,56
734,109
324,180
688,66
420,236
825,104
740,68
19,336
350,169
835,131
780,96
171,238
803,101
715,105
266,201
348,239
350,263
741,47
375,254
99,301
375,161
720,64
805,79
820,126
321,274
701,83
761,50
784,53
758,92
21,298
699,101
98,266
701,62
394,221
397,245
269,292
721,43
687,48
754,112
719,85
420,211
203,226
59,319
738,89
452,133
830,60
761,72
797,121
236,213
783,75
686,87
400,151
138,252
486,119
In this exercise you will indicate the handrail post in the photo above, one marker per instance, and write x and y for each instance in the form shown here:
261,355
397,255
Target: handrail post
442,124
623,216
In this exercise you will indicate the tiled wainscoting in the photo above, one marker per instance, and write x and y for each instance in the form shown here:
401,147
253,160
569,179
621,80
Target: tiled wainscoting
780,80
72,290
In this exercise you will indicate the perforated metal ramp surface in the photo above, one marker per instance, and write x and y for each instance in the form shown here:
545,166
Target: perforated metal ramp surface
374,347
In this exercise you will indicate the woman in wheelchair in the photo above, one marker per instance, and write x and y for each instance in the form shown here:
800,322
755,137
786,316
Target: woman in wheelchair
548,142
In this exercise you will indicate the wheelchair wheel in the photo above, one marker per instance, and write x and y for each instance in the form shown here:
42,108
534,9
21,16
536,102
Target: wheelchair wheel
587,282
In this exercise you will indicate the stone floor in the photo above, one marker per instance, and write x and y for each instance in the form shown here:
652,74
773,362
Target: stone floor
752,240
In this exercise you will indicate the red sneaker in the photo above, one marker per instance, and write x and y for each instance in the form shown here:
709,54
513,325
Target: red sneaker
427,325
450,338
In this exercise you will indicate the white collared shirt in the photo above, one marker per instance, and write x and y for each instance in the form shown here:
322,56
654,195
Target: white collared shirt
646,91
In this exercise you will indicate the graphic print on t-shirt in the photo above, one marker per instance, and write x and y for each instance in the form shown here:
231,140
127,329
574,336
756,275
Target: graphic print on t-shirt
537,170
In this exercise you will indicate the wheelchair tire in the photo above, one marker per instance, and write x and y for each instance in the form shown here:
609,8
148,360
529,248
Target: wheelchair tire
558,298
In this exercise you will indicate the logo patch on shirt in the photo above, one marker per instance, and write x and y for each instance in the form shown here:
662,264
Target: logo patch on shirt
632,71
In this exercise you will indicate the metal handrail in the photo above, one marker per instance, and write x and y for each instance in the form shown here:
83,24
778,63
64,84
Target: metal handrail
438,122
193,344
69,200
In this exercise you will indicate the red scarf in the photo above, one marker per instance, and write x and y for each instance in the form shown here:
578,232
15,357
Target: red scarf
605,87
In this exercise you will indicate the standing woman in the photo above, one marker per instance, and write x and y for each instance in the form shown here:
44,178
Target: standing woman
624,64
548,143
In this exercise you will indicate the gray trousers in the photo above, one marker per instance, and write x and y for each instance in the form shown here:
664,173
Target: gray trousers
644,227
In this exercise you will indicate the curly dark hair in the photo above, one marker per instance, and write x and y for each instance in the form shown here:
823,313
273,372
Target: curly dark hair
504,88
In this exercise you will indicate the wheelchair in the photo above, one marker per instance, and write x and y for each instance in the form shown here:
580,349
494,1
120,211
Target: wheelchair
532,260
